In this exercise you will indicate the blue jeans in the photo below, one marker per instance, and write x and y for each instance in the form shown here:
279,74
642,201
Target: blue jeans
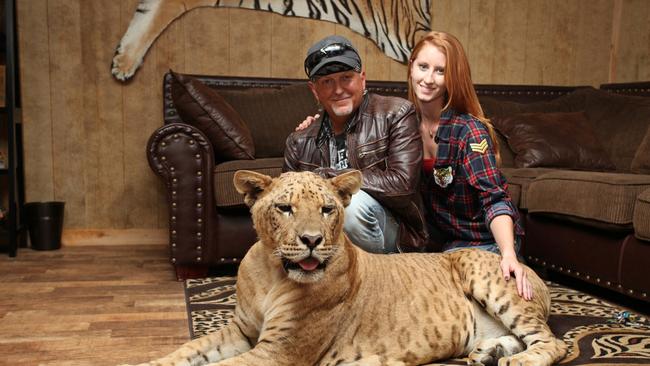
369,225
494,248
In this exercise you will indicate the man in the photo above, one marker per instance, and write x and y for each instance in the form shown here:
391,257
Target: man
375,134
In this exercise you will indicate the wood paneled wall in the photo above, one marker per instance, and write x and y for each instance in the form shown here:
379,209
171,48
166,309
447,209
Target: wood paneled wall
85,133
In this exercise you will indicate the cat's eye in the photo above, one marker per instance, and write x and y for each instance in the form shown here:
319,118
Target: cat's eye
284,208
326,210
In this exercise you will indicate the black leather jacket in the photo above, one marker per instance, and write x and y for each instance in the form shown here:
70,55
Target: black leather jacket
384,143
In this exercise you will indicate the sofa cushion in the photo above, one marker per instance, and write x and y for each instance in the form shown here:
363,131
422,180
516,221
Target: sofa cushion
228,196
642,215
518,181
514,191
618,121
559,139
507,156
272,114
203,108
641,161
494,107
607,198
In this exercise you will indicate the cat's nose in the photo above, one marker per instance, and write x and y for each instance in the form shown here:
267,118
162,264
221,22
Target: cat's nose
311,241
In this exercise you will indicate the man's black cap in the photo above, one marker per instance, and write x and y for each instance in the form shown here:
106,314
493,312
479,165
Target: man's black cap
331,54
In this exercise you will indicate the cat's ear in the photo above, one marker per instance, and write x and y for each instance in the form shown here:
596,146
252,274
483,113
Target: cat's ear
250,184
347,184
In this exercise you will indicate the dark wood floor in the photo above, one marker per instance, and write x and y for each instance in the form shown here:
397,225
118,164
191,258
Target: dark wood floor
89,305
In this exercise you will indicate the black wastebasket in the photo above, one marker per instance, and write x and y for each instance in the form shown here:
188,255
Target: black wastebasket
45,224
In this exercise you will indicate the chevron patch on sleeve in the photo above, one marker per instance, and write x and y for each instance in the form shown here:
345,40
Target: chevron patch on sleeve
481,147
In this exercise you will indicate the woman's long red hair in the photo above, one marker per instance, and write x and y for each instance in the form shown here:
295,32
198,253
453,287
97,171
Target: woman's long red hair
461,95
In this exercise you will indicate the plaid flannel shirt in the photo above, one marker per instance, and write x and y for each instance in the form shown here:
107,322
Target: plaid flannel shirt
470,191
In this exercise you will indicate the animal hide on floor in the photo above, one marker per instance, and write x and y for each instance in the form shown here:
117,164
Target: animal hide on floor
394,25
592,328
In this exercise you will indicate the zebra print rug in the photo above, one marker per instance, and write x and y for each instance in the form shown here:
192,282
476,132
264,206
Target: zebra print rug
597,332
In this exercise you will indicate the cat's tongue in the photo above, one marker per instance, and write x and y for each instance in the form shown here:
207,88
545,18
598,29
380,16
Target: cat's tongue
309,264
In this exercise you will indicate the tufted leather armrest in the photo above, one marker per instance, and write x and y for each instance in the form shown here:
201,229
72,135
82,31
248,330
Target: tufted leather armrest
183,157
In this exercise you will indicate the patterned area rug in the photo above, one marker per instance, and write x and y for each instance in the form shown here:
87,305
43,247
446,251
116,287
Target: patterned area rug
597,333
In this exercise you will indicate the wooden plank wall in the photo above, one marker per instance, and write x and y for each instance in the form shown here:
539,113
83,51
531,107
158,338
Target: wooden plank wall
85,133
549,42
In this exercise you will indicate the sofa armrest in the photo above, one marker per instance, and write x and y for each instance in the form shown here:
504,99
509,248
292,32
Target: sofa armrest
641,216
182,156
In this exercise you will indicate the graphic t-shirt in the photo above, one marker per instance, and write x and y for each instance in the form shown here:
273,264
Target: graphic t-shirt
337,144
341,161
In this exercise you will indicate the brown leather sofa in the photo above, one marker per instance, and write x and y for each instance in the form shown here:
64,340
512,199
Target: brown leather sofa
592,225
587,218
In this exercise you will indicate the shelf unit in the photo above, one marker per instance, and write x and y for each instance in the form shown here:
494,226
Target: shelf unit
12,194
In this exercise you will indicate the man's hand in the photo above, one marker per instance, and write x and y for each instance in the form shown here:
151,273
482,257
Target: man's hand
307,122
510,264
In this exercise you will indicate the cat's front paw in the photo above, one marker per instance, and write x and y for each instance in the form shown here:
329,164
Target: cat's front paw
124,64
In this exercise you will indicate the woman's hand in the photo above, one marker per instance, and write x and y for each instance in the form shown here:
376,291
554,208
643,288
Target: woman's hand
308,121
502,228
510,264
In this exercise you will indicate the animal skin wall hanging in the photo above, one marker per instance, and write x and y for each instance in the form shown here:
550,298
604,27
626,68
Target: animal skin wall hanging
394,25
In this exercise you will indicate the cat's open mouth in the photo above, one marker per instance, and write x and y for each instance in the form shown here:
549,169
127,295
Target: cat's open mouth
308,264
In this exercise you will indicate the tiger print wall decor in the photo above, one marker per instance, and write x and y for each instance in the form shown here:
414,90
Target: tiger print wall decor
394,25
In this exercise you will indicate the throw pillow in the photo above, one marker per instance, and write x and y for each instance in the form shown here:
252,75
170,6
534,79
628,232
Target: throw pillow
557,140
202,107
272,113
641,161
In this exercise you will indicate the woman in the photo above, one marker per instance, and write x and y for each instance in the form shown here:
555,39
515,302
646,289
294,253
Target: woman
463,190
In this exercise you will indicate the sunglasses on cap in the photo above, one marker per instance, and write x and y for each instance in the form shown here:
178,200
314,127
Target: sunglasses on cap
334,49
